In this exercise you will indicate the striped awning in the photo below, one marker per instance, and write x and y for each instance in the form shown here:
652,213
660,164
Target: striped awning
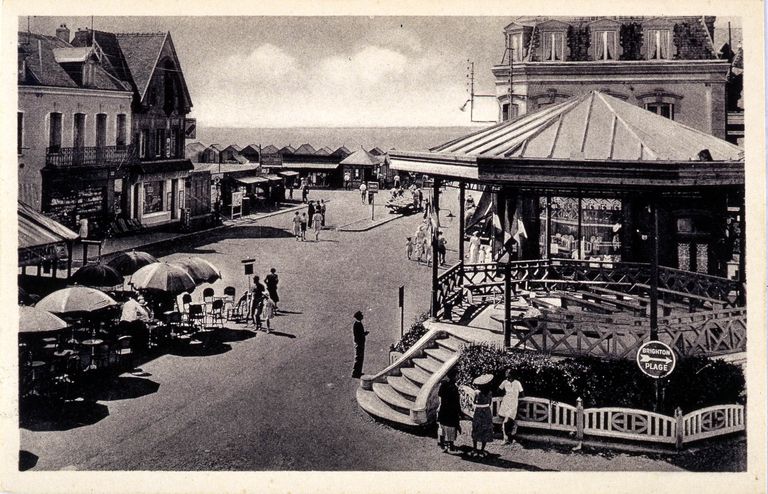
36,229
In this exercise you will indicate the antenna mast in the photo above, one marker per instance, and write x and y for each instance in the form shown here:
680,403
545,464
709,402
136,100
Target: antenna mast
472,95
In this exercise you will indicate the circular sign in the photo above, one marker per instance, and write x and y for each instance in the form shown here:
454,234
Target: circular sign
656,359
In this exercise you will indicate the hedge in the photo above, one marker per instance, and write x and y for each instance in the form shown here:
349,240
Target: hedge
696,382
414,333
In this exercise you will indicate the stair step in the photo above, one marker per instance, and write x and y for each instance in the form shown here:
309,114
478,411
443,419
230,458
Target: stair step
404,386
392,398
418,376
428,364
451,343
372,404
441,354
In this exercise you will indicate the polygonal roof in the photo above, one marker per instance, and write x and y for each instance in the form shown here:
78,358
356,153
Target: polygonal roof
594,126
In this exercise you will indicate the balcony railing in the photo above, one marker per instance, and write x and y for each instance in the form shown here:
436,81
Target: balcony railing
90,156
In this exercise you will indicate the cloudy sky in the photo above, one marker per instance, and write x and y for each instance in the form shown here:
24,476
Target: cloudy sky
323,71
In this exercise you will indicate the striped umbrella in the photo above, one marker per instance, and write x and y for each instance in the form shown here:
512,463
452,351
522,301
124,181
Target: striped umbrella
75,299
127,263
36,320
201,270
163,277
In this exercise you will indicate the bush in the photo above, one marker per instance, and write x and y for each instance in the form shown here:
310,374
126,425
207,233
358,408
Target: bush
414,333
697,382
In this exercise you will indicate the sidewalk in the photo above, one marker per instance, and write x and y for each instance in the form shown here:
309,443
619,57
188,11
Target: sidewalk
143,240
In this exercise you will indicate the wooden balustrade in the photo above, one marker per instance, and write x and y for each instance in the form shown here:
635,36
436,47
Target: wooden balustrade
707,333
626,424
702,285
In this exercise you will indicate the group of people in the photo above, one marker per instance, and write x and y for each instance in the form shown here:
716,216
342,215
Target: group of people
419,246
478,253
449,412
264,299
315,214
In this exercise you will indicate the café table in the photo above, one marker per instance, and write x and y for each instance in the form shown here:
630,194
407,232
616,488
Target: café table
93,343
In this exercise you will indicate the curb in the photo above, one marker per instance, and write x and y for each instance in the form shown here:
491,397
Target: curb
350,228
186,236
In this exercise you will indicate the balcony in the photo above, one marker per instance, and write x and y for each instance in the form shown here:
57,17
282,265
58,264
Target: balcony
111,156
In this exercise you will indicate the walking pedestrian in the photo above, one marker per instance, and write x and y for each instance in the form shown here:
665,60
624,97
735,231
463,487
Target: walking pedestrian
257,302
420,195
363,189
508,408
419,241
449,413
347,180
297,226
441,247
474,248
359,333
269,312
396,181
322,211
271,280
304,193
317,224
303,226
408,247
482,419
311,210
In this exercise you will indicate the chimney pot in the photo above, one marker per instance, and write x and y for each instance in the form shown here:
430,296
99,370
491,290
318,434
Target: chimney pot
62,32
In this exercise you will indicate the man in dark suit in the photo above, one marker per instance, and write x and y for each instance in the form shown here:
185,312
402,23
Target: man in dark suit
359,333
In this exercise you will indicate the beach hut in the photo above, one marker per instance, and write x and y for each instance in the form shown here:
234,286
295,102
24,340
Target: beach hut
230,153
194,151
305,149
212,154
362,166
251,152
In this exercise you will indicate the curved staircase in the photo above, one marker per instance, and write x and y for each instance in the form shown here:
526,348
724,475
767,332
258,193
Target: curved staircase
406,391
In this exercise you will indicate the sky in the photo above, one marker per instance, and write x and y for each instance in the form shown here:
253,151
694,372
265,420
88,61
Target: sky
323,71
341,71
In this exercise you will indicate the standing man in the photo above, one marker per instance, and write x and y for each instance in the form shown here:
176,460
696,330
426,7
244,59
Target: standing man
271,281
363,189
441,247
347,180
257,302
359,334
311,210
322,210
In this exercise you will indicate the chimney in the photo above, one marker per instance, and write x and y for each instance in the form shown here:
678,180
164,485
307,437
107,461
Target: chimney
82,38
62,32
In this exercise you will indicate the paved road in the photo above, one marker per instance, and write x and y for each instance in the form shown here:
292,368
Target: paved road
285,400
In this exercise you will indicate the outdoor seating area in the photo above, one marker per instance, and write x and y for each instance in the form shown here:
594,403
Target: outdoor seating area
135,309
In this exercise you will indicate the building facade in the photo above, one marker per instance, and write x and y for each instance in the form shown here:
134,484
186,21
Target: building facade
667,65
155,185
74,144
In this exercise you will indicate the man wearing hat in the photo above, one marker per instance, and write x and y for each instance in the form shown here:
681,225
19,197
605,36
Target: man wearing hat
359,332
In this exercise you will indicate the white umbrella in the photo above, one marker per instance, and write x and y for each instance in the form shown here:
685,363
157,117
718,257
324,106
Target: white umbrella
163,277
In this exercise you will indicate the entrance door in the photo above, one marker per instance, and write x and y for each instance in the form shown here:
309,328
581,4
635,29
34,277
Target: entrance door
174,199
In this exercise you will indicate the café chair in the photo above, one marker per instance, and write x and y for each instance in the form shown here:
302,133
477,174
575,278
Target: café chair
208,294
186,301
124,352
196,315
216,314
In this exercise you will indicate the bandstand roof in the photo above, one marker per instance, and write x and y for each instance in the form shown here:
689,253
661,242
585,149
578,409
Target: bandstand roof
592,137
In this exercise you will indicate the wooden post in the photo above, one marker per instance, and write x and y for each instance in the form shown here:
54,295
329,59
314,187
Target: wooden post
679,432
742,253
578,235
462,187
654,271
548,228
70,251
435,212
507,302
579,422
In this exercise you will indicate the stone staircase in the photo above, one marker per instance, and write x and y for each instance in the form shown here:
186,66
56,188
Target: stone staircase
405,392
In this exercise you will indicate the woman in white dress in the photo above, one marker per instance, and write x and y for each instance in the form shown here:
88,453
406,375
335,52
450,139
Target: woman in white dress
474,248
508,408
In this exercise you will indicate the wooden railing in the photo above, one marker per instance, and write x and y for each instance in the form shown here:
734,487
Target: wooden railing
448,288
626,424
706,333
699,284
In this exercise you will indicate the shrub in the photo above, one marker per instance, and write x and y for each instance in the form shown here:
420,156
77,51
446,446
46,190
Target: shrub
697,382
414,333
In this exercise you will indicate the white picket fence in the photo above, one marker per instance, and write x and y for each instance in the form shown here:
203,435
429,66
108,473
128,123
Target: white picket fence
620,423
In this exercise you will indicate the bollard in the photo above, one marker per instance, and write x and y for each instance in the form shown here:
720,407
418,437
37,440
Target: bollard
679,428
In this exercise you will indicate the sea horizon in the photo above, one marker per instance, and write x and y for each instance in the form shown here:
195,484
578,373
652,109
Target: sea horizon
417,138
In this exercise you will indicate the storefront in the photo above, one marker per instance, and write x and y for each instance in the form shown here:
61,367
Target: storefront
157,191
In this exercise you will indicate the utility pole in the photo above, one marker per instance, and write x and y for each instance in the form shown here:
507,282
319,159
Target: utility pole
472,95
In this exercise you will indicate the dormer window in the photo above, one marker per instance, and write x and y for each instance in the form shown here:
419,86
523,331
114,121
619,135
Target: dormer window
606,45
516,47
553,46
658,41
89,70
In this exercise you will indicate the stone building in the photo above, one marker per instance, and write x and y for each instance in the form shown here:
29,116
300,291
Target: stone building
74,143
667,65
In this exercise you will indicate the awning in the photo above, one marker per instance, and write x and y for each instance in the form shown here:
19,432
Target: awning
312,166
274,178
162,166
288,174
252,180
35,229
435,164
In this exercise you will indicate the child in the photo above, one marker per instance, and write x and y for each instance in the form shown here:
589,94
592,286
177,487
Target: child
408,247
268,312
